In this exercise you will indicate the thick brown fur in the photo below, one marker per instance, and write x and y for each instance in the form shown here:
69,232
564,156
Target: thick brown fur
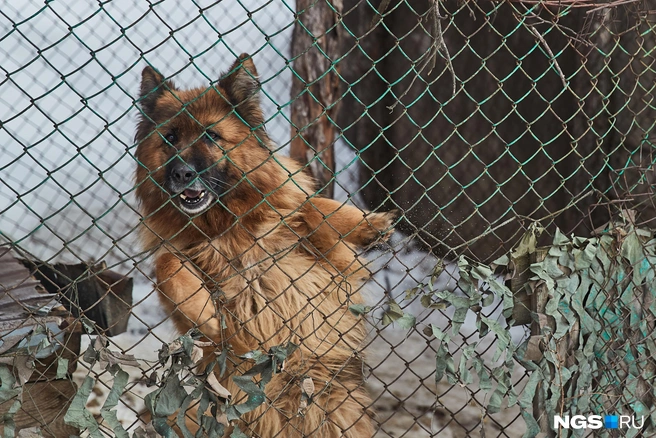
268,263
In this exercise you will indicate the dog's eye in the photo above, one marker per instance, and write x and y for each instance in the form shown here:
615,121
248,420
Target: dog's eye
212,136
171,138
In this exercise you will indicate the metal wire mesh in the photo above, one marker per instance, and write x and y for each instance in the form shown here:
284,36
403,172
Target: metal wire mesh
472,120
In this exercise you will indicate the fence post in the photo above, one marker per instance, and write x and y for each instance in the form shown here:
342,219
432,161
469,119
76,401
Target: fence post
522,308
529,308
539,299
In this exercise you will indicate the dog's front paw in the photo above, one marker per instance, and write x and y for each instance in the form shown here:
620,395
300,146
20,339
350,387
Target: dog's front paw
377,228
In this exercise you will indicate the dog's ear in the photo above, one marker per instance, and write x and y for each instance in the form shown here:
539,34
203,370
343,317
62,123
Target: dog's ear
242,89
153,86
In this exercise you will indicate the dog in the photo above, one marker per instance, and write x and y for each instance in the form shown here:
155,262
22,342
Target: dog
248,254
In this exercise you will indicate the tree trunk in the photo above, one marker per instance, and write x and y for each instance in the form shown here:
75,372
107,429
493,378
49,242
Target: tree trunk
316,90
469,172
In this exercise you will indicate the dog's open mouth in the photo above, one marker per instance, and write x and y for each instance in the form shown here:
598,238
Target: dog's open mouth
193,201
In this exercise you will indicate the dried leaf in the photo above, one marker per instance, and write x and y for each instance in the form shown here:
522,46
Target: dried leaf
394,313
407,321
107,411
466,376
308,386
437,271
427,302
221,361
30,432
441,335
302,405
62,367
444,364
89,326
218,389
504,260
359,309
167,399
78,415
108,358
147,431
307,391
90,355
196,353
528,242
9,390
255,395
412,292
504,341
23,366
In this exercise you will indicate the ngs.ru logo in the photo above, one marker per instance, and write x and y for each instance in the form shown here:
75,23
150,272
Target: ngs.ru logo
597,422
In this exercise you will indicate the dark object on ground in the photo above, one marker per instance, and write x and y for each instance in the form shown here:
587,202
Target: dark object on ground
102,296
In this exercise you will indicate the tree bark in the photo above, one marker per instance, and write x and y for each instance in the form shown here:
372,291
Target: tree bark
316,88
468,172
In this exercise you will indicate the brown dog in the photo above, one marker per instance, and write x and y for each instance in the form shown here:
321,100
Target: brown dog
223,213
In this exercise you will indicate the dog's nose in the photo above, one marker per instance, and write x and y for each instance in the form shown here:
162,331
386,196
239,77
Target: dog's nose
182,173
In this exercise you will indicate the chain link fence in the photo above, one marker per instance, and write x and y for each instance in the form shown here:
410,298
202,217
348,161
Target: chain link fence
226,290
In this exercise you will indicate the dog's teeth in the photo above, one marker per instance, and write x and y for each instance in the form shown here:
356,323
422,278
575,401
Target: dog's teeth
202,195
183,196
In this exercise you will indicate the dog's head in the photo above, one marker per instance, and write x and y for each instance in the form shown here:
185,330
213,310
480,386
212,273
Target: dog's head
194,147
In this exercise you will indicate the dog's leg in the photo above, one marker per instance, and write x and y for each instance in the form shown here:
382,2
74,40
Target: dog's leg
186,298
339,412
328,217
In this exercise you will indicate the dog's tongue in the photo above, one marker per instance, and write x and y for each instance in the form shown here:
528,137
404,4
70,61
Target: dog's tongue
189,193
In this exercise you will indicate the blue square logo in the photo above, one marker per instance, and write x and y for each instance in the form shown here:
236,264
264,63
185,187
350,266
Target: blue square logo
611,421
